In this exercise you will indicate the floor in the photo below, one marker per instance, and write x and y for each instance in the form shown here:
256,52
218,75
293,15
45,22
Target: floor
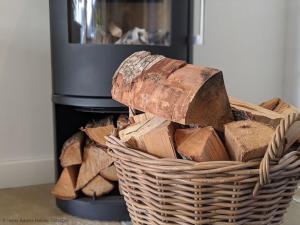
35,206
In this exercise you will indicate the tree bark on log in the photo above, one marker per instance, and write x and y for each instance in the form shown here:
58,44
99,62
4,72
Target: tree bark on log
172,89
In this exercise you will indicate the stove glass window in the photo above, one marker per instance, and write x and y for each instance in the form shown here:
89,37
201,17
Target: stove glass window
120,22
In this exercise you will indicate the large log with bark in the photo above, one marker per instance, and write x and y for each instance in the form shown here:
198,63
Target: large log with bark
246,139
71,153
172,89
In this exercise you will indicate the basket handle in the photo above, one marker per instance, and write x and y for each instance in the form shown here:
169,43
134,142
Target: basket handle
275,150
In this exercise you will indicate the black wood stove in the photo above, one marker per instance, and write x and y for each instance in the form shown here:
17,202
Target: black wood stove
89,39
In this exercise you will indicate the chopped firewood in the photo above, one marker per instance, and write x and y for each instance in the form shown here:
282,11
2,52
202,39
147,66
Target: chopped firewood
109,173
122,122
71,153
141,117
279,106
114,30
201,145
153,136
271,104
182,134
172,89
65,186
95,159
246,139
292,135
97,187
98,130
248,111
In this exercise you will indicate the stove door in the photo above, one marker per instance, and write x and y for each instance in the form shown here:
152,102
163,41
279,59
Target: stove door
142,22
90,38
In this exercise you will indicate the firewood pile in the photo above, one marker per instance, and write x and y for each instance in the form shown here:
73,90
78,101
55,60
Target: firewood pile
87,168
185,112
177,111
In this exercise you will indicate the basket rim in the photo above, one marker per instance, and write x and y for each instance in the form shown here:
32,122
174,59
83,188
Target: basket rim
117,149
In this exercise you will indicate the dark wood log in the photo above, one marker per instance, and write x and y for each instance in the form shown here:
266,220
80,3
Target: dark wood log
122,122
172,89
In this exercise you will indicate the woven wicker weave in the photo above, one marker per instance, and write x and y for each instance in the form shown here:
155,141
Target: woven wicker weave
174,191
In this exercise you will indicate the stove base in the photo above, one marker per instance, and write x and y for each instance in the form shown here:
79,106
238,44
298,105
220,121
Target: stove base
108,208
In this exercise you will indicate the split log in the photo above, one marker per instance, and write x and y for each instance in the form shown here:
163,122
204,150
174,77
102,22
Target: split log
279,106
95,159
154,136
246,139
245,110
97,187
182,134
114,30
97,131
200,144
122,122
65,186
141,117
284,108
172,89
71,153
109,173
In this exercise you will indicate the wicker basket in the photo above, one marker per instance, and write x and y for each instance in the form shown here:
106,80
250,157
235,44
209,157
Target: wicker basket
181,192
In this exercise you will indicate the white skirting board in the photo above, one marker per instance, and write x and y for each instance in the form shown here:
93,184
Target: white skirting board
17,173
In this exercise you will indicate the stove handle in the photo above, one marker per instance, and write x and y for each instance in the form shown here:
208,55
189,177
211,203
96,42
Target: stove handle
198,39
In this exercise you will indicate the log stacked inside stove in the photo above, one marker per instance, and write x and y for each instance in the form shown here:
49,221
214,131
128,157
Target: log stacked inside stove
87,168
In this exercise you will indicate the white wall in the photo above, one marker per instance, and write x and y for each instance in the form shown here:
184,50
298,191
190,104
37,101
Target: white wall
246,40
26,139
292,70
